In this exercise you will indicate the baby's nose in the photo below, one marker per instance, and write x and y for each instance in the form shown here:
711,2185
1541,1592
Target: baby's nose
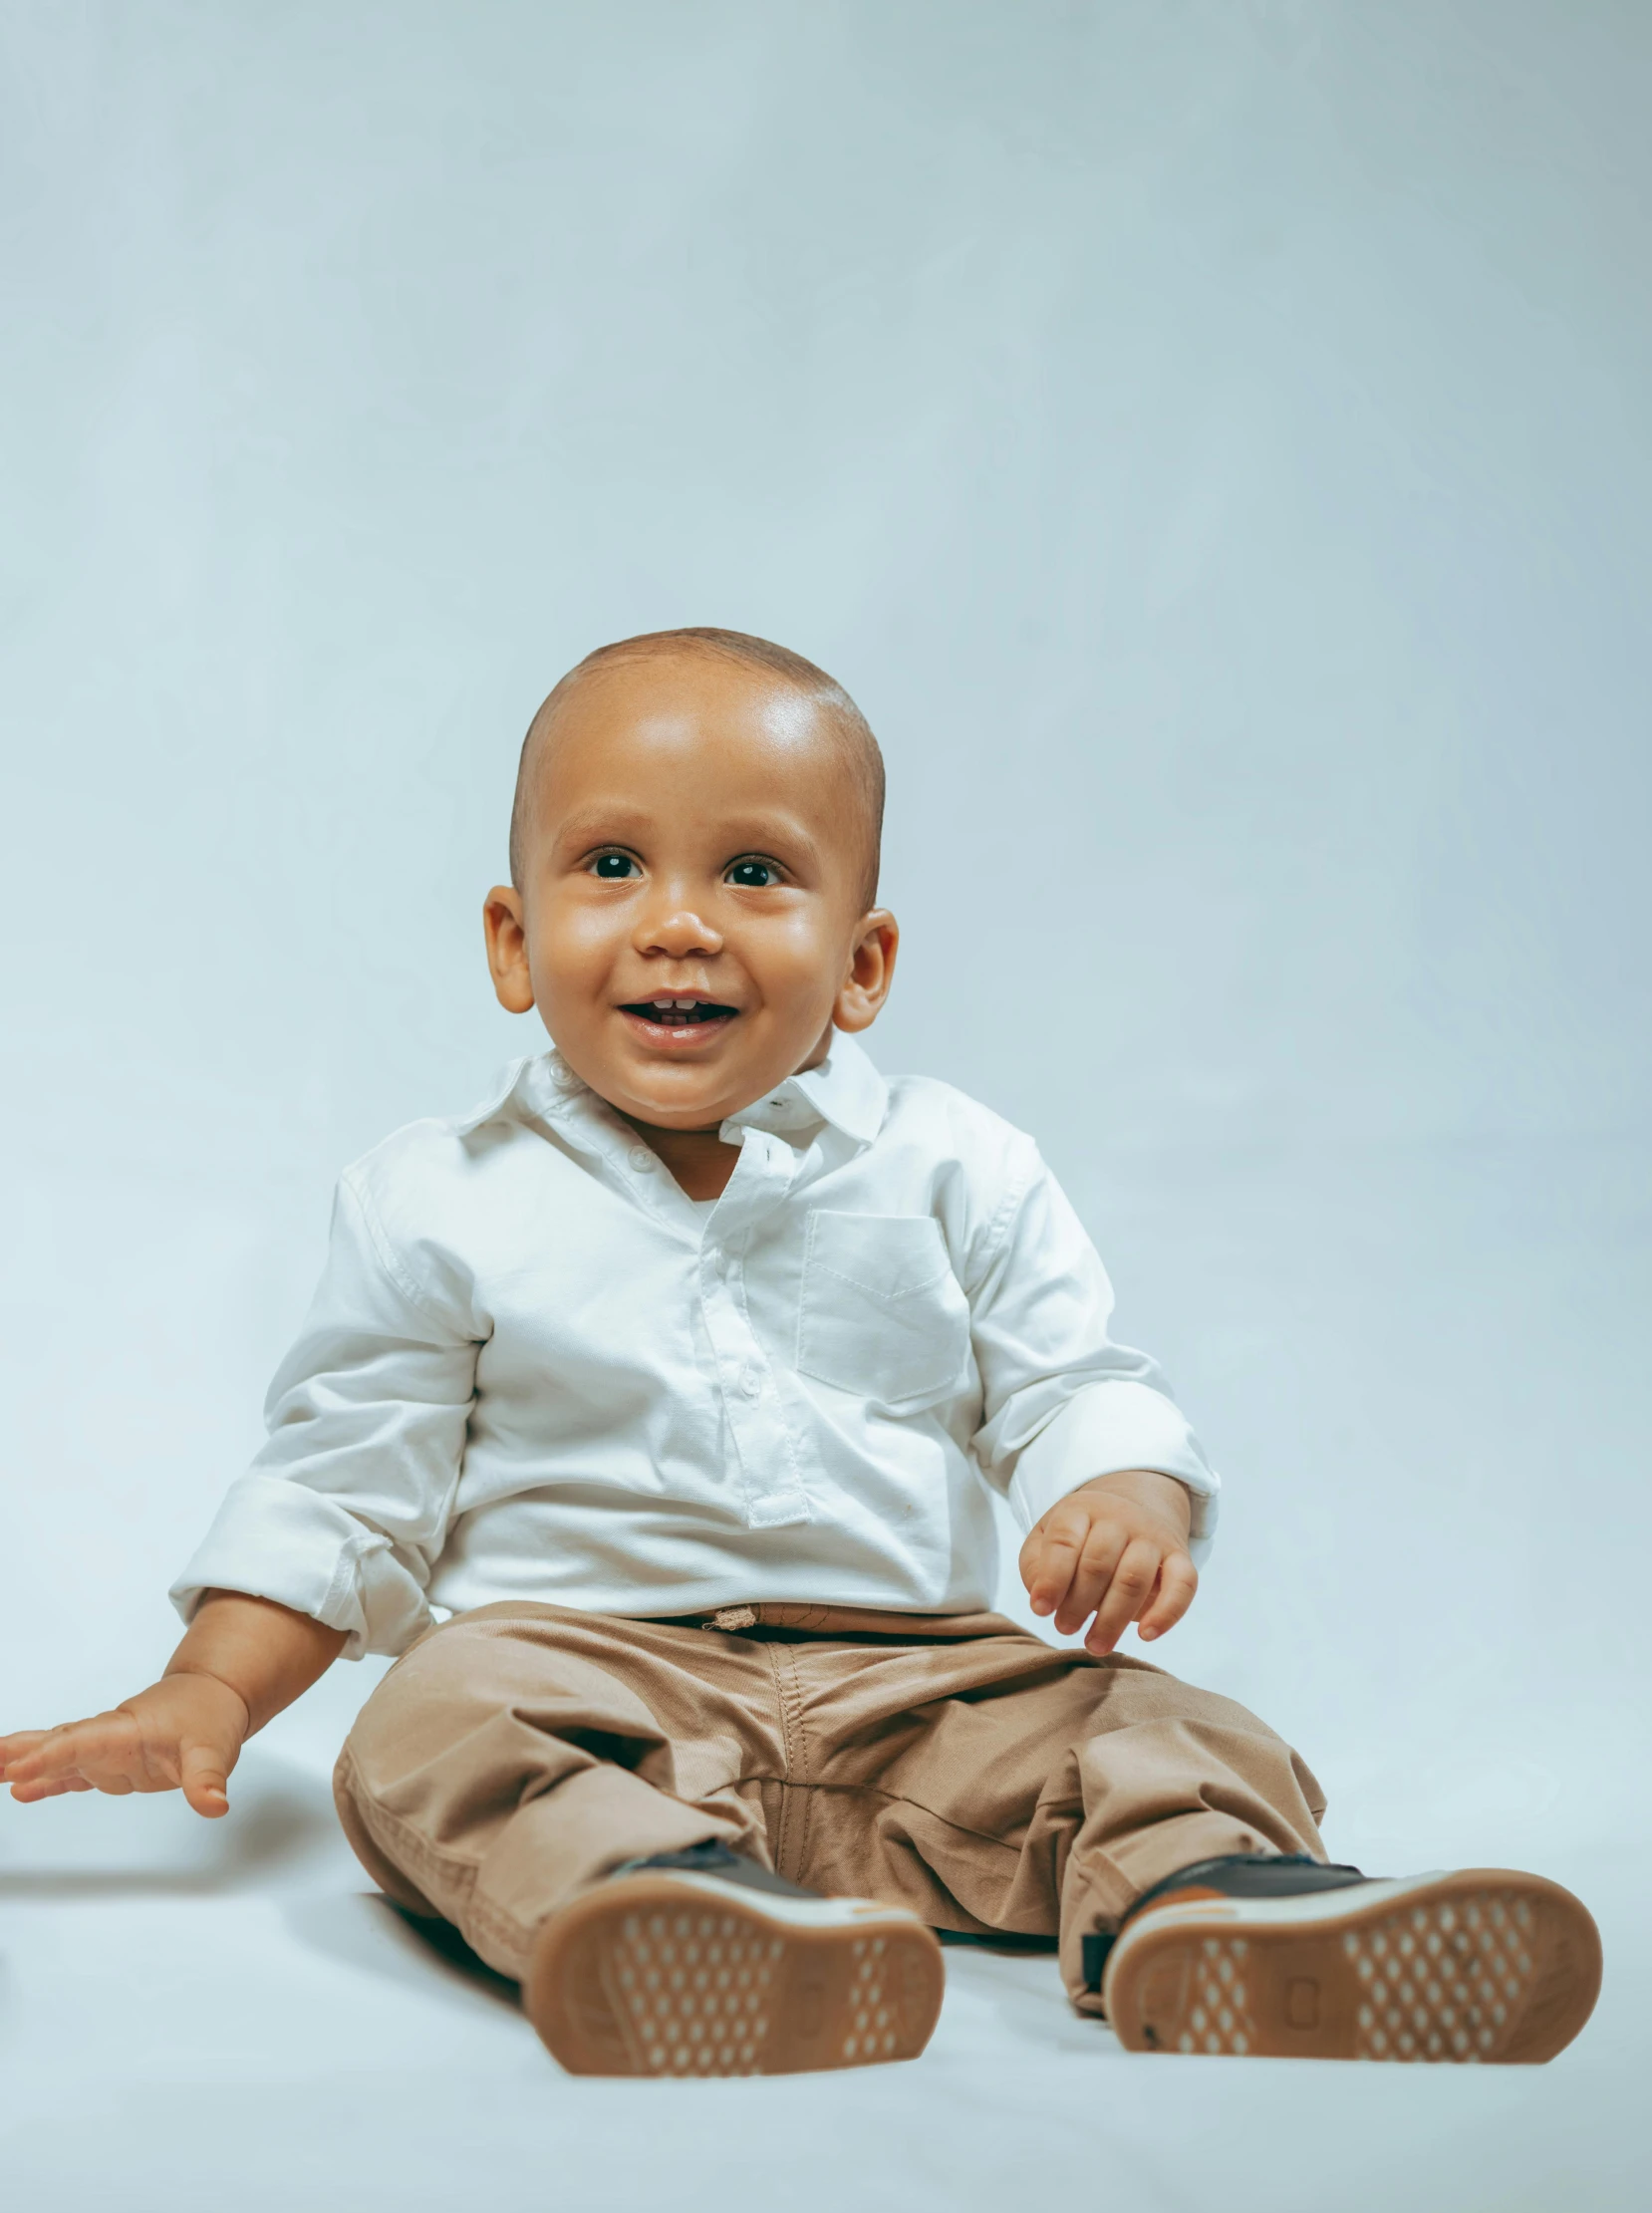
678,932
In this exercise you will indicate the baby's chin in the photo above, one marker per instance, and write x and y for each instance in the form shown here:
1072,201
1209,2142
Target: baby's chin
689,1077
680,1095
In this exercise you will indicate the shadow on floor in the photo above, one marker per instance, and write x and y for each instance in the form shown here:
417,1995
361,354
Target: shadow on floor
274,1828
445,1942
1001,1940
365,1930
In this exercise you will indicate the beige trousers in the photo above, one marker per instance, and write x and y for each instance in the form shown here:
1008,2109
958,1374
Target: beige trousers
951,1764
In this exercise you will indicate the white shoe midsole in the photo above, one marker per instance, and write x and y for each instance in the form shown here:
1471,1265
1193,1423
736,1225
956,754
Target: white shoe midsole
1308,1905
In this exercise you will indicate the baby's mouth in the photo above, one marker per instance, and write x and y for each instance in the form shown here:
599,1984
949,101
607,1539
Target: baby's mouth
678,1012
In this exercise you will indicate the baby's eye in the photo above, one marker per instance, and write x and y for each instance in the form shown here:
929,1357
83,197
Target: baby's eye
753,876
613,867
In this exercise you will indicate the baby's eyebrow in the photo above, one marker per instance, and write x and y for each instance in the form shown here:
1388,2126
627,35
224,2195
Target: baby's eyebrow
627,824
594,825
780,833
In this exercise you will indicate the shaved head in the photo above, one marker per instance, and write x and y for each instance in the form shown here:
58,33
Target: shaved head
840,722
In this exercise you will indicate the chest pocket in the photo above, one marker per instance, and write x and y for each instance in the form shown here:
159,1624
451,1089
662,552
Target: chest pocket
881,1312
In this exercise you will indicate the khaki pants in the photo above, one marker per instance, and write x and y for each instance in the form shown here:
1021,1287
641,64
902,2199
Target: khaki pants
951,1764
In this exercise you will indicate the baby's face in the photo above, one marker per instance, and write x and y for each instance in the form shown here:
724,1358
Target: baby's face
689,924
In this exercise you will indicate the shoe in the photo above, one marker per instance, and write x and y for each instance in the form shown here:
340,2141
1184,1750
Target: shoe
700,1962
1289,1957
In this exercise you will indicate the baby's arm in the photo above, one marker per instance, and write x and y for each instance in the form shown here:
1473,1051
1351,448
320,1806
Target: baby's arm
342,1512
241,1661
1061,1398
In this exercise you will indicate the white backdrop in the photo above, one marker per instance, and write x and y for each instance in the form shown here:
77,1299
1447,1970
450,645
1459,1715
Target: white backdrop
1212,442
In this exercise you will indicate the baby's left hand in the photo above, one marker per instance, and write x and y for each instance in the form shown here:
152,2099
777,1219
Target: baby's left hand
1117,1548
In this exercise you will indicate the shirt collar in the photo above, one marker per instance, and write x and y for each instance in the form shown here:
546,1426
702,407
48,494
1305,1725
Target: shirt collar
844,1090
540,1082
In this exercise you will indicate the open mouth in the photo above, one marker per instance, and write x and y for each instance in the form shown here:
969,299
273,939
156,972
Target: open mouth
678,1012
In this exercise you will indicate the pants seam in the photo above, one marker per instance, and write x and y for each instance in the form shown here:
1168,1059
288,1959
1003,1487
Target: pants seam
801,1740
782,1857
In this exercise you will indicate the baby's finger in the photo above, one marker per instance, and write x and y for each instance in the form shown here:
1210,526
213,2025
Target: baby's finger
52,1753
57,1787
1178,1583
1049,1557
1103,1550
1126,1595
104,1750
205,1781
19,1745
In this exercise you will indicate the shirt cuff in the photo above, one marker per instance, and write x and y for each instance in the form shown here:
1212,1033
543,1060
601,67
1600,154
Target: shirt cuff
1104,1429
274,1538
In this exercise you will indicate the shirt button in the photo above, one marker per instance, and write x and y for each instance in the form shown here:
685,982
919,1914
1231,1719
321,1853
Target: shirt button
564,1077
640,1159
751,1383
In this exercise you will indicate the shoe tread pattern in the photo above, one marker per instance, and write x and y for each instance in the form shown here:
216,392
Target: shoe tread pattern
1474,1968
646,1980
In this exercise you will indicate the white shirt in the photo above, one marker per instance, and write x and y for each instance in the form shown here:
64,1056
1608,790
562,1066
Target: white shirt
535,1369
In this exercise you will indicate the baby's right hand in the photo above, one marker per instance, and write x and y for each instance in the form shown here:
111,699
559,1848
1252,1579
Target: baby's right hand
183,1733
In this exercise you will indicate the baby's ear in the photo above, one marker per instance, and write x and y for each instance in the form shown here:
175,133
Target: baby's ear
507,949
871,970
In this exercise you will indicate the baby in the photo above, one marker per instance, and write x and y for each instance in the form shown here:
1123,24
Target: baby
649,1413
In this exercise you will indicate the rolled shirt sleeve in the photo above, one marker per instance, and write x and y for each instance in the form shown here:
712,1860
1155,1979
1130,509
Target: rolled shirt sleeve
347,1506
1062,1402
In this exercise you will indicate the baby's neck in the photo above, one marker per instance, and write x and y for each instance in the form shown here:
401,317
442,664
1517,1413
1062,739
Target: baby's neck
698,1159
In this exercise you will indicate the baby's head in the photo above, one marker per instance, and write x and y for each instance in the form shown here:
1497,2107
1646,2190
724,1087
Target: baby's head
694,856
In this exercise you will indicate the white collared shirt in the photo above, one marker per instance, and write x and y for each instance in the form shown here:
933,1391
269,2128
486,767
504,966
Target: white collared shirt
535,1369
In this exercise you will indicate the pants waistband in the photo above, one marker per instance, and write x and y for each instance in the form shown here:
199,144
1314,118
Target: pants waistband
844,1621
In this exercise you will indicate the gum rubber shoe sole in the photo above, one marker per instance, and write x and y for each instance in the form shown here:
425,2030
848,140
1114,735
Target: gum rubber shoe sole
683,1975
1484,1964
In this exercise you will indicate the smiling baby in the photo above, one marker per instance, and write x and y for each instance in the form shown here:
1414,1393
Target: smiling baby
651,1414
